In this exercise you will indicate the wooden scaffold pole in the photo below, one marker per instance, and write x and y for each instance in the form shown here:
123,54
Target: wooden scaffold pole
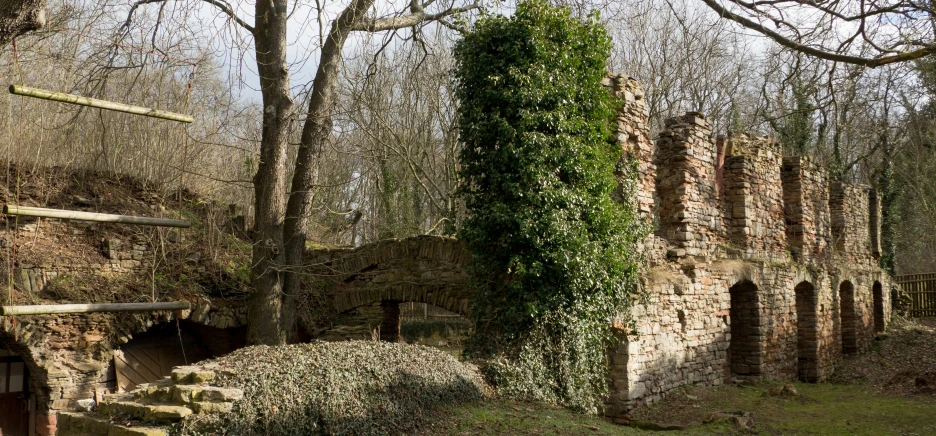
89,308
10,209
96,103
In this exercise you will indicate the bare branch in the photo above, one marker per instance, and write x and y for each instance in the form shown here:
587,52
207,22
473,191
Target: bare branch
390,23
927,48
224,6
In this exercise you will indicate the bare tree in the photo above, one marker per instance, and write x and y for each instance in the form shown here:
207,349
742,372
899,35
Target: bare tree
870,33
687,59
283,208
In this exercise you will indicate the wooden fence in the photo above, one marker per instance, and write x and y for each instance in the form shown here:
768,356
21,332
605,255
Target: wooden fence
921,290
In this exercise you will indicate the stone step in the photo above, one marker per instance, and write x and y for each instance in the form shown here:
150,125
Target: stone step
79,424
146,412
187,394
191,375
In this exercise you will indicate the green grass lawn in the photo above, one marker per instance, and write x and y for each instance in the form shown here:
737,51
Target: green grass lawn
819,409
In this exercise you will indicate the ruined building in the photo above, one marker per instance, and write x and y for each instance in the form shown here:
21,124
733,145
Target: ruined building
760,267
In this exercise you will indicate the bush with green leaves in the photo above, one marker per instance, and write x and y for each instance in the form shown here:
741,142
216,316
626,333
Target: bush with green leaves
553,256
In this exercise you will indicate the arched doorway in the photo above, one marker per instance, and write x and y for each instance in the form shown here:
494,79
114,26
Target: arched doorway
877,292
15,396
848,316
807,333
151,355
745,354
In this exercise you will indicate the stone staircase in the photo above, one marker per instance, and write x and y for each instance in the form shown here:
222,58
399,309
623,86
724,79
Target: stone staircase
151,408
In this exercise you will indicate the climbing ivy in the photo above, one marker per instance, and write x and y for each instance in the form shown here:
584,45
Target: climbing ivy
552,255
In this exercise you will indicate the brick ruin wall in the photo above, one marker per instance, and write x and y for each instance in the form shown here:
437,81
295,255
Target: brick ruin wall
752,197
809,226
69,357
759,268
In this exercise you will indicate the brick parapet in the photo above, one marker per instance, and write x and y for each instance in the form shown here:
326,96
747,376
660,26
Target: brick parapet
806,208
686,186
753,197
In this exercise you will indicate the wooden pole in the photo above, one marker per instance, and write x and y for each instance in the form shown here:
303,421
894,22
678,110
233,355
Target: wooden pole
92,216
101,104
88,308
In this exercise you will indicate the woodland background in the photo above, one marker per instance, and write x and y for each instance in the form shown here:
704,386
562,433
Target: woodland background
390,167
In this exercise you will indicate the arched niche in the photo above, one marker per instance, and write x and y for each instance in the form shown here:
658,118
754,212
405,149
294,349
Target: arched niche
848,317
745,351
807,333
877,293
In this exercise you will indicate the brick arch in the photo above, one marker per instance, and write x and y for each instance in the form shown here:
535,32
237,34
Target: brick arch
421,269
436,296
21,339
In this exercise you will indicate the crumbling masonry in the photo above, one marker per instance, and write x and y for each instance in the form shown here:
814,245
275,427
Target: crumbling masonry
760,266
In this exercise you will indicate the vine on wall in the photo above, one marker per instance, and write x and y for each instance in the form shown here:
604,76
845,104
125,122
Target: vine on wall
553,256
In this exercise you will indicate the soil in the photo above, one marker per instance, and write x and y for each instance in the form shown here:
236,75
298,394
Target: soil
204,260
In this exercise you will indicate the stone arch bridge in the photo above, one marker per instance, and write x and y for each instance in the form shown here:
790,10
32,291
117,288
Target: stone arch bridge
421,269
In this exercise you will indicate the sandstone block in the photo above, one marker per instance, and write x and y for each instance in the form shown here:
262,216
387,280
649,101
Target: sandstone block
122,430
165,412
208,407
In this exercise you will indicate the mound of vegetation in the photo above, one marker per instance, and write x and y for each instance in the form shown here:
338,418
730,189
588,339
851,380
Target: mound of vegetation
355,387
900,361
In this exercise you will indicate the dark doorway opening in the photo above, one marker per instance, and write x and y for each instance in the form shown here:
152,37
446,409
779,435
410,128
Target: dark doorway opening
14,396
847,313
878,295
807,333
745,352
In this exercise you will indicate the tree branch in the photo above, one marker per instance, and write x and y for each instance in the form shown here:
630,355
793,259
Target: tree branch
390,23
871,62
224,6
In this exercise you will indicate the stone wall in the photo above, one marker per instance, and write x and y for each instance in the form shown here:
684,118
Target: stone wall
753,197
70,356
687,211
744,272
633,134
806,207
850,212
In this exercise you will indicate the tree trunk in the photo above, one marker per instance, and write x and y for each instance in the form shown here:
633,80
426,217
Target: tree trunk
268,305
20,16
315,133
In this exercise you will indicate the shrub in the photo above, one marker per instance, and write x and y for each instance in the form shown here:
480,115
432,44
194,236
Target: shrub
552,255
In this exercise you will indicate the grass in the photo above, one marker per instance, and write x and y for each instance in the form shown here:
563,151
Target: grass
502,417
819,409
